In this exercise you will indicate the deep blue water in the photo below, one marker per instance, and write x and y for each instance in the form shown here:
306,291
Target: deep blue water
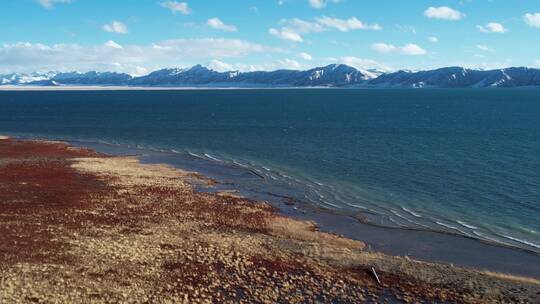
460,161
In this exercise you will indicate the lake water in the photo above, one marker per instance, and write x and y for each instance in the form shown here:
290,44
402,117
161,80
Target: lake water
465,162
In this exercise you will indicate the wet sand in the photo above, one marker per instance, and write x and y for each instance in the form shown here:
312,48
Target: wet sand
82,227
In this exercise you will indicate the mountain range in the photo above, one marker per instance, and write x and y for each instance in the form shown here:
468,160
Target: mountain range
334,75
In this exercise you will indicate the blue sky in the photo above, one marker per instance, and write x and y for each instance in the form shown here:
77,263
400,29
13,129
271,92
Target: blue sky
143,35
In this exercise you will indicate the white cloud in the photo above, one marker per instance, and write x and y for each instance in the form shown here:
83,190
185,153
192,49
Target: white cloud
293,28
217,24
363,64
532,19
30,57
492,27
321,3
116,27
140,71
302,26
50,3
317,3
290,64
406,29
443,12
286,34
264,66
433,39
412,49
345,25
484,48
113,44
538,62
220,66
305,56
407,49
177,7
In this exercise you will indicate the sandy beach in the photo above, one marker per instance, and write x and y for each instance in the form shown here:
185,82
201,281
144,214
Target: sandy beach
79,226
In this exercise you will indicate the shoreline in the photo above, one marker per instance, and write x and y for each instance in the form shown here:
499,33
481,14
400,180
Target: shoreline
145,233
327,221
444,247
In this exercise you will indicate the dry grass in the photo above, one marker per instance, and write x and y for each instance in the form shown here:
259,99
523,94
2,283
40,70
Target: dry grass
306,231
514,278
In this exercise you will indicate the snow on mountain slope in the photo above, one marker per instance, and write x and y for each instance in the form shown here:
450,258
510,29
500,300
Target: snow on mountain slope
334,75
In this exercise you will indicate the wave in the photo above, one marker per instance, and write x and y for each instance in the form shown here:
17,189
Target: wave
452,227
467,225
521,241
330,204
411,212
240,164
318,194
527,230
399,215
212,157
414,223
488,238
357,206
196,155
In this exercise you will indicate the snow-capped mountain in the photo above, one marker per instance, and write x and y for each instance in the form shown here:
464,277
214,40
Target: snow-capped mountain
92,78
457,77
197,75
72,78
18,79
334,75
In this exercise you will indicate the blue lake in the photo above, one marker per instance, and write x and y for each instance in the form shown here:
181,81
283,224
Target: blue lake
464,162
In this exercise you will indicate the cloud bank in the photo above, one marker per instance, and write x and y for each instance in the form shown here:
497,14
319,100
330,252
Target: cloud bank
407,49
111,56
293,29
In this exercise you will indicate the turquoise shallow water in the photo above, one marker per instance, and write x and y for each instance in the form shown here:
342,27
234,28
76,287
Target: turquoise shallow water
460,161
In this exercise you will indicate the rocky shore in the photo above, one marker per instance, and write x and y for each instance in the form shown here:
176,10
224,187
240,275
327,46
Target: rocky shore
81,227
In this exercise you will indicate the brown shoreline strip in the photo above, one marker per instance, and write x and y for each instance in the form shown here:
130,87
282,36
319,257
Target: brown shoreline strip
81,227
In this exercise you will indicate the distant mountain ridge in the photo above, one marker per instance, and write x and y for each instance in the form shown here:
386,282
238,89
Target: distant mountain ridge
334,75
